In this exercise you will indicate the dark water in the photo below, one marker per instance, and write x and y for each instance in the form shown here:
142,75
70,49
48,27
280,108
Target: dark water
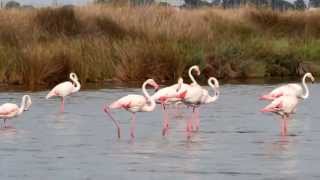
235,141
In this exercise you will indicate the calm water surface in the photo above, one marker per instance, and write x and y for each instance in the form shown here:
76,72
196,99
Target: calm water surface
235,141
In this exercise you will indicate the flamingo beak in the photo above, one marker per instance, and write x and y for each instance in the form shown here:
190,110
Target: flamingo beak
156,88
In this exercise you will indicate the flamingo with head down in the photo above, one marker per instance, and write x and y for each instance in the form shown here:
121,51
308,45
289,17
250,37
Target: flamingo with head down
133,103
9,110
292,89
64,89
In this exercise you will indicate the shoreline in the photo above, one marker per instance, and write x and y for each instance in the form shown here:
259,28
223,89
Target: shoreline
4,87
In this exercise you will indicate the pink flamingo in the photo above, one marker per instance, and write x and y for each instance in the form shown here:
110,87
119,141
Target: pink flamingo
9,110
192,97
206,98
284,106
133,103
173,94
166,96
292,89
64,89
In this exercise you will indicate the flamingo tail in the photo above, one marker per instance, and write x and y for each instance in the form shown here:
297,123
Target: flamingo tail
50,94
108,112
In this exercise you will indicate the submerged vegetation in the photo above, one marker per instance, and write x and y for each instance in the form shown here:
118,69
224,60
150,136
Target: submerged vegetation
39,47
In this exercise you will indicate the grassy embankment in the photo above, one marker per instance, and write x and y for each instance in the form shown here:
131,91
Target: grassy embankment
40,47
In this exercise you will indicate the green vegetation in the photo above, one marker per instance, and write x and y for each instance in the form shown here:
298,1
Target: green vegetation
39,47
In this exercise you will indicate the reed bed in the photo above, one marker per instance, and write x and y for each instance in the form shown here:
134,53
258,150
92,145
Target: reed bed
39,47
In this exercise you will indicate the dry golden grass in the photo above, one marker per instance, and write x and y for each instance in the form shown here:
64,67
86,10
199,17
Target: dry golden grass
40,47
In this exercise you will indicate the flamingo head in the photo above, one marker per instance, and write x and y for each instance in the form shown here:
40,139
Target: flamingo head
74,76
197,70
152,83
309,75
28,102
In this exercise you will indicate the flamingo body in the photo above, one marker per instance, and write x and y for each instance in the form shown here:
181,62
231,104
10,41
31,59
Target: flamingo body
292,89
284,105
132,103
63,89
8,110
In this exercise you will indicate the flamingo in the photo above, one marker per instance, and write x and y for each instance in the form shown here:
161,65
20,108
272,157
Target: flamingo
165,96
133,103
9,110
192,97
64,89
284,106
162,96
206,98
293,89
195,96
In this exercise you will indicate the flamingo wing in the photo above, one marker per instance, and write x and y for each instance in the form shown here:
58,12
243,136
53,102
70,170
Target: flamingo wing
193,95
291,89
283,104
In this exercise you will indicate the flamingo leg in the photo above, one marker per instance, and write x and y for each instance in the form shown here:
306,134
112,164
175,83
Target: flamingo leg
165,120
133,125
285,125
107,111
189,123
62,105
4,123
197,119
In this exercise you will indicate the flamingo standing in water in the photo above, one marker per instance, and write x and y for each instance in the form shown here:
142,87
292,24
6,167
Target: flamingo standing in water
196,96
284,106
176,92
64,89
206,98
133,103
9,110
162,97
292,89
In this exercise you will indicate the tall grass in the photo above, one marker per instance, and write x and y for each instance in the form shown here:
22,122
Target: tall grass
40,47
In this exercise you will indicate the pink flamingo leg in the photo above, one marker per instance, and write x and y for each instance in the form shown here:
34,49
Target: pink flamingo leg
107,111
133,125
197,119
165,120
4,123
285,125
189,123
62,105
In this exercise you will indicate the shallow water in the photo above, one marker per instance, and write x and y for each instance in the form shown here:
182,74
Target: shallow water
235,140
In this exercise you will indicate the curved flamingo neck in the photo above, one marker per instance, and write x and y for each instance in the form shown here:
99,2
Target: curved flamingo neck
215,88
78,86
23,104
191,76
148,107
306,90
